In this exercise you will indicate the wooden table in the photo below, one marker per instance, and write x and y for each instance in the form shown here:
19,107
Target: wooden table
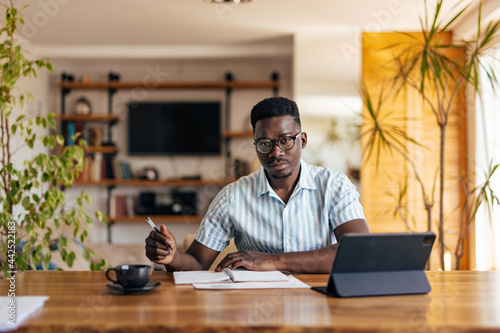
463,301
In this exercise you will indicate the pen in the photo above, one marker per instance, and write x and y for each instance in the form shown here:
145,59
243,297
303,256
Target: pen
153,225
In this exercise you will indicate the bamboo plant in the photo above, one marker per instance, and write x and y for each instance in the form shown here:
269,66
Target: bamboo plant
425,67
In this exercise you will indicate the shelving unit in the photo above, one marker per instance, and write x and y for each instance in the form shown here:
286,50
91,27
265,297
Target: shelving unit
157,183
109,150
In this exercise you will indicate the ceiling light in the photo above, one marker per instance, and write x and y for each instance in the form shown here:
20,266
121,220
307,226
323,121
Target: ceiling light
226,1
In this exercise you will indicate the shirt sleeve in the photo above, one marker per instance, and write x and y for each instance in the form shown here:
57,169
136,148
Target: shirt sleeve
216,230
345,205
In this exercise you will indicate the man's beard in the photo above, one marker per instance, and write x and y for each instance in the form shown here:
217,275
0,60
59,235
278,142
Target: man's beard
281,177
273,161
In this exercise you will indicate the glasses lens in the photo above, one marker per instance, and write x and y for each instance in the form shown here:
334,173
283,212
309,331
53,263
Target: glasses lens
286,143
265,146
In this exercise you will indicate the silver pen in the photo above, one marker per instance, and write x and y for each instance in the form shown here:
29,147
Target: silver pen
153,225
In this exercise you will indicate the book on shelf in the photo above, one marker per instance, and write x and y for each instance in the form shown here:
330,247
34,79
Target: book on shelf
127,173
85,174
71,134
122,205
96,168
121,169
91,170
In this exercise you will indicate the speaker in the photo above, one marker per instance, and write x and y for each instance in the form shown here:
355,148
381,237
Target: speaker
147,203
186,202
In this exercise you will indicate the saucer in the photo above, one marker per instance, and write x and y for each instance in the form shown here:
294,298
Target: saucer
118,288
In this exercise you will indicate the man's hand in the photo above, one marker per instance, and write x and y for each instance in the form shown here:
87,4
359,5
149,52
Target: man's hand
161,248
254,261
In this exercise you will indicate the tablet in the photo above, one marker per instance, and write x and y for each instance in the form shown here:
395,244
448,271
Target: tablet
380,264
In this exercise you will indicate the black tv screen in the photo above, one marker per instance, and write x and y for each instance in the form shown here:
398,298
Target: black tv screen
174,128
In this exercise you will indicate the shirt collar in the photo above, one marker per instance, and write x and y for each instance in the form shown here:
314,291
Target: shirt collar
305,180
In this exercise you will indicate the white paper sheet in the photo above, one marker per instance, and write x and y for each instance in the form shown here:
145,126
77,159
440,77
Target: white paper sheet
190,277
243,275
22,308
292,282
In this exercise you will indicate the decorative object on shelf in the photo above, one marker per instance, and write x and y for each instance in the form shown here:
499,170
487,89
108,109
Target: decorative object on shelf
85,79
95,136
82,106
113,77
147,203
66,77
149,173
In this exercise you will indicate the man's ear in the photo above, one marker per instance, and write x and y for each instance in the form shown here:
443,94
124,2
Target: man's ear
304,139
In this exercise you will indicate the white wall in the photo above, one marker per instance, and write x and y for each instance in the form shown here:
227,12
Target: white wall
169,167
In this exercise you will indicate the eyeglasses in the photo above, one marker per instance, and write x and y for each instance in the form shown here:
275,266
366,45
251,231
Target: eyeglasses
285,144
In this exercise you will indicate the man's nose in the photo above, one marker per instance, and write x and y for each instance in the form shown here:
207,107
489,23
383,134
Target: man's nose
276,151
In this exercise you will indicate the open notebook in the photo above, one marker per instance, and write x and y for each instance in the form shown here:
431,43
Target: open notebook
228,275
238,279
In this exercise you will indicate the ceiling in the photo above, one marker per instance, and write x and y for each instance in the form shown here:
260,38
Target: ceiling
322,36
195,22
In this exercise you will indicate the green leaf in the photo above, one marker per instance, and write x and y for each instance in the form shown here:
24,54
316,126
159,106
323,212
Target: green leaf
52,142
60,139
26,203
51,121
70,259
63,241
86,254
100,216
46,260
64,254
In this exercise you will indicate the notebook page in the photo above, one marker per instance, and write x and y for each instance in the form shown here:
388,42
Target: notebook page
292,283
243,275
190,277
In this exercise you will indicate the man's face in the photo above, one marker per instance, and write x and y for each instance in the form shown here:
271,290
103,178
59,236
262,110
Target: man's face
280,164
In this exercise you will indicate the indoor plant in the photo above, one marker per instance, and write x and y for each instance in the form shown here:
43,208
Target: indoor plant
35,213
438,69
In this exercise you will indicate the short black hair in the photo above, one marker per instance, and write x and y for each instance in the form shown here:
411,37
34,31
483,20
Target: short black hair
274,107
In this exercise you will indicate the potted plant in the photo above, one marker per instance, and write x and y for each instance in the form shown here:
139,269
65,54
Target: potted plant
438,69
34,209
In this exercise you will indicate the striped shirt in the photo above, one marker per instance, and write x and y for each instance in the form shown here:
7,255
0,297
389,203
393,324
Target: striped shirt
250,211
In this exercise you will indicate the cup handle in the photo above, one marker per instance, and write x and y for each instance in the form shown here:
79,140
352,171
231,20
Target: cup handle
107,275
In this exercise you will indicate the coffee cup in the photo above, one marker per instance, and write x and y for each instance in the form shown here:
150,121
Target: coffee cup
130,276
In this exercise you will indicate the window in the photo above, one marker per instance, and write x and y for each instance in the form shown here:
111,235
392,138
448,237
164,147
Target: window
488,151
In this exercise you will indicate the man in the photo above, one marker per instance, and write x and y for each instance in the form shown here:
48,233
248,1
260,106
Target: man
287,216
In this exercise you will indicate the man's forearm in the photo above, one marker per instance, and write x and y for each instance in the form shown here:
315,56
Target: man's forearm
316,261
184,262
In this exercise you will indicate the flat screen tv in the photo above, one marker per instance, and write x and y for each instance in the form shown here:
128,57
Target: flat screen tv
174,128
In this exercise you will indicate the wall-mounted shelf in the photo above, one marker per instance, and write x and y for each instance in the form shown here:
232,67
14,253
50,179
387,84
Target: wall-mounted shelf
87,117
172,85
156,218
237,134
164,182
96,149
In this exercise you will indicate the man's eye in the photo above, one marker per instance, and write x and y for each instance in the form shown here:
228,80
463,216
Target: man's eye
264,143
285,140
